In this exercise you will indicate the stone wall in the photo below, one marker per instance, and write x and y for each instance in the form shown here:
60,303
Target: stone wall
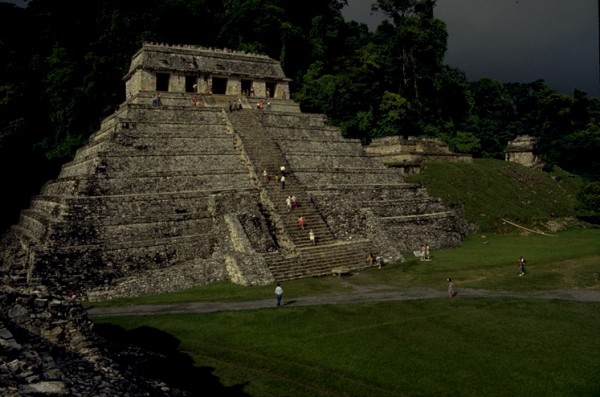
183,62
408,154
48,347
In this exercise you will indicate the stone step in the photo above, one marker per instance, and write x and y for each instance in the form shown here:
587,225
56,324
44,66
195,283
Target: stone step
175,114
103,216
321,261
117,203
146,183
264,152
156,162
157,146
418,217
131,115
113,229
318,261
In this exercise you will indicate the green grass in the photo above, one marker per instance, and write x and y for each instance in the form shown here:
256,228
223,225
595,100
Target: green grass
429,347
478,347
489,262
569,260
492,190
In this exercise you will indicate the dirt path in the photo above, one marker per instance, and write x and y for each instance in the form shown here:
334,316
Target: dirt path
360,294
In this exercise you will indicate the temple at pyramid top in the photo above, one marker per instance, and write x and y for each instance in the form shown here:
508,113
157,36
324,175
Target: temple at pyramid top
181,71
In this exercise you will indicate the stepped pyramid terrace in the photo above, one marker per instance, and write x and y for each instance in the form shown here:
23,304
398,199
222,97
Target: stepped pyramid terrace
169,192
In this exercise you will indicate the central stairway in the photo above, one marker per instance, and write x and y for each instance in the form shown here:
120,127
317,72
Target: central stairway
301,259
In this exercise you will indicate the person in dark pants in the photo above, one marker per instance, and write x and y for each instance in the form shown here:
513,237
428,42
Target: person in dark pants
278,294
521,265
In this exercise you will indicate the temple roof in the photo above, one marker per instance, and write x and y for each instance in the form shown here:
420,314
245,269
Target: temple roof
195,59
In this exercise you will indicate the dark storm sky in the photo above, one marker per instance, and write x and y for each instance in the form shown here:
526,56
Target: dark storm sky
517,40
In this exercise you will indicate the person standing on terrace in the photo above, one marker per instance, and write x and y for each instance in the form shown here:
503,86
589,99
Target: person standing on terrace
301,222
311,237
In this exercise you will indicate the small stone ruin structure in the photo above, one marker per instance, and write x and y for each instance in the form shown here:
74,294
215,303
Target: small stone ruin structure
169,192
522,150
185,74
408,154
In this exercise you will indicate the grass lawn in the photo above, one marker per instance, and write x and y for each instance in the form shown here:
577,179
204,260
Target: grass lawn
492,190
429,347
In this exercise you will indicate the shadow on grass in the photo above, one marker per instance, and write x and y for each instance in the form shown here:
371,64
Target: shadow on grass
156,357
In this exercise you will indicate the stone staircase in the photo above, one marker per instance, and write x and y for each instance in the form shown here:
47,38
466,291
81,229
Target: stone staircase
320,260
265,154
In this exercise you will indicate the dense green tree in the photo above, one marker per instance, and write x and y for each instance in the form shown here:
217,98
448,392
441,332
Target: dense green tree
413,58
22,167
588,199
554,124
579,152
465,142
396,111
490,116
396,10
265,19
422,44
452,100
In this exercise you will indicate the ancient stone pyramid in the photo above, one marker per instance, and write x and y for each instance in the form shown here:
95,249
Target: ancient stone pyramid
169,193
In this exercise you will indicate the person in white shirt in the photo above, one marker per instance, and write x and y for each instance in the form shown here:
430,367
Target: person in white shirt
278,294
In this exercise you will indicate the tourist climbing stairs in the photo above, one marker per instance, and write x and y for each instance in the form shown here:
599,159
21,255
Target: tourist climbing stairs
327,253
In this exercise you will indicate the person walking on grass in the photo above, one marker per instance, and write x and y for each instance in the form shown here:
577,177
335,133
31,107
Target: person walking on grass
278,294
450,288
521,265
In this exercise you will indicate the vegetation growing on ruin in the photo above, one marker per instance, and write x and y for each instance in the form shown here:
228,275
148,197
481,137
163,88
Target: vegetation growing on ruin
492,192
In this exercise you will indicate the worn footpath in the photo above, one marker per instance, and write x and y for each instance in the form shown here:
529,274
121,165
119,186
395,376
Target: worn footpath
360,294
